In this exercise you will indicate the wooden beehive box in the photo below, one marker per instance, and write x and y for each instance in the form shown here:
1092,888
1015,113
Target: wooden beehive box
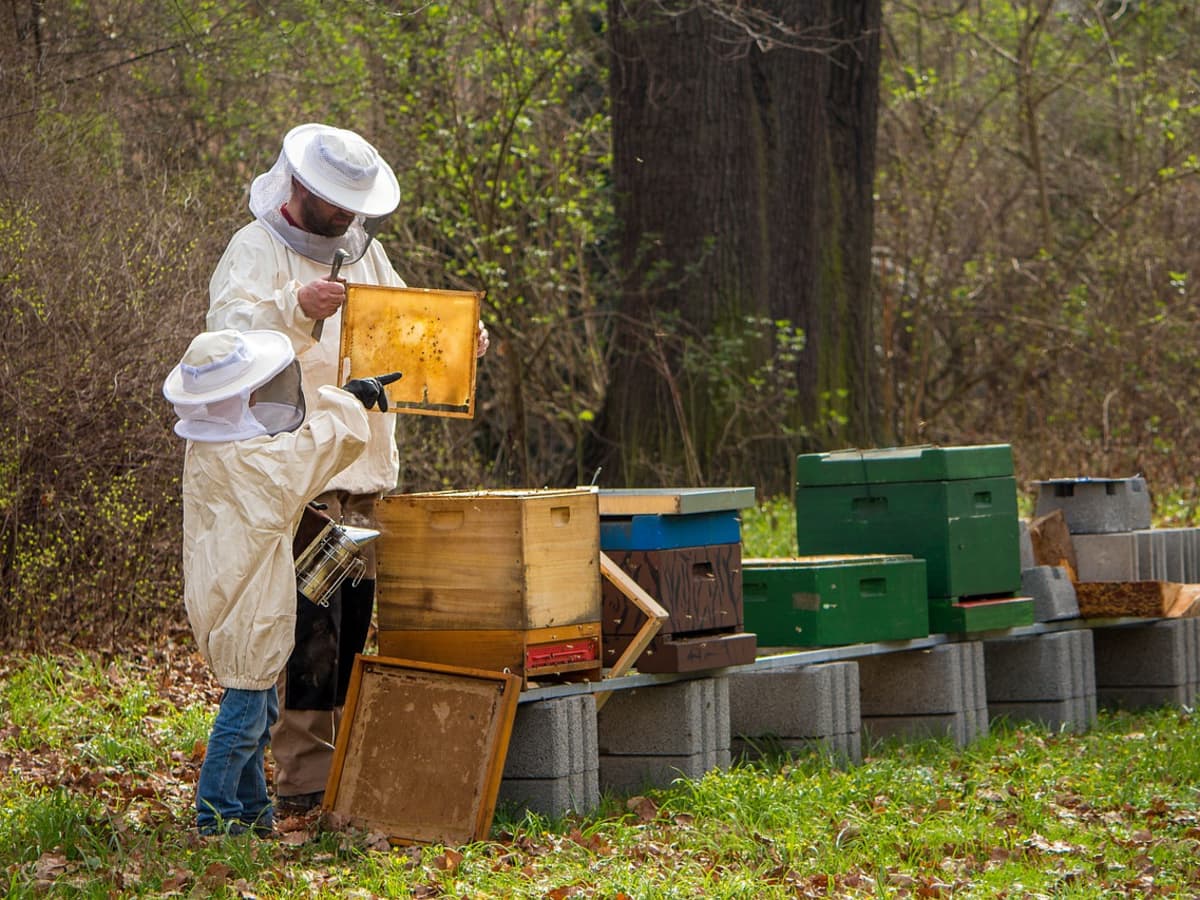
682,546
504,579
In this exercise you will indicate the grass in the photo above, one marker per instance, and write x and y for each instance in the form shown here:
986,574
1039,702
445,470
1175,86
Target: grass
98,762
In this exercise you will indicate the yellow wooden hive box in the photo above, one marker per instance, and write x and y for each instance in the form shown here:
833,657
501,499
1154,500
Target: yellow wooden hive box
504,579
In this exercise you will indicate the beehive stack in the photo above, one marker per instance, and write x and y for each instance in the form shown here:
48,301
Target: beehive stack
500,580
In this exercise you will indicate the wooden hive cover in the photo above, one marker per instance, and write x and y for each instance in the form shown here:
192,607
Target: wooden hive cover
421,750
429,335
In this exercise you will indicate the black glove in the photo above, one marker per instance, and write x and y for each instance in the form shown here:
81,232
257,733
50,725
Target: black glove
370,391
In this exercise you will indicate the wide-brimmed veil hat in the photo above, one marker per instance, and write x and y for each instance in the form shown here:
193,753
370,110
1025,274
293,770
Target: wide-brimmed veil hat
341,168
222,364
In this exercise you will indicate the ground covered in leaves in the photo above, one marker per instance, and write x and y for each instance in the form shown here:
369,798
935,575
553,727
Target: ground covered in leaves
99,757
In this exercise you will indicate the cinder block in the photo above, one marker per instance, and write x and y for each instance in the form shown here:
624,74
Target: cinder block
960,727
1052,592
806,702
1040,667
681,719
1152,655
1176,550
552,766
1175,554
1151,560
947,678
552,738
1076,714
1025,543
1097,505
623,774
939,692
1120,556
1146,697
553,797
837,749
809,708
651,736
1157,664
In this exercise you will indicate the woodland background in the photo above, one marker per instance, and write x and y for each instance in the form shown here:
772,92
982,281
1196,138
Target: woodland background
1032,278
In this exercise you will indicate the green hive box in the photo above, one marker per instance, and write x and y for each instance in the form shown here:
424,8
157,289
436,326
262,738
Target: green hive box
824,602
948,617
954,507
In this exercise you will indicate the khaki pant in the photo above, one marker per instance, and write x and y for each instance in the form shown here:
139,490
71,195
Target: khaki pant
302,740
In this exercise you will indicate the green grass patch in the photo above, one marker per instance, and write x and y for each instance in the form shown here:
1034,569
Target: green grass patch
769,529
97,767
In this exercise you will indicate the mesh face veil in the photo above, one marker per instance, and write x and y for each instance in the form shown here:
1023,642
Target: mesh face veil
222,372
341,169
279,404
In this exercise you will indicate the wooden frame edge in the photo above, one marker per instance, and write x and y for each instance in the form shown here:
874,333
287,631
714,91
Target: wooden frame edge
655,616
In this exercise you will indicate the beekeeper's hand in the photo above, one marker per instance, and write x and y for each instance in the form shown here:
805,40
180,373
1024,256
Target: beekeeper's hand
482,340
370,391
320,299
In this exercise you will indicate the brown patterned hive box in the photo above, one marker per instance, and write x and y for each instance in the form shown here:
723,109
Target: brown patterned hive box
504,580
683,547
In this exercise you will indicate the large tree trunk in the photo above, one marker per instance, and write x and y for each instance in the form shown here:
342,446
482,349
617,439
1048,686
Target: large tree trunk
743,166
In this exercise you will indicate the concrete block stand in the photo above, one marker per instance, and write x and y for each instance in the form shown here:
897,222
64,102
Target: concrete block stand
813,707
1045,678
649,737
1155,664
1052,592
553,765
1097,505
939,692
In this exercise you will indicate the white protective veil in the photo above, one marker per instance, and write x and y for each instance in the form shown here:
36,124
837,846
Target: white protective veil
340,168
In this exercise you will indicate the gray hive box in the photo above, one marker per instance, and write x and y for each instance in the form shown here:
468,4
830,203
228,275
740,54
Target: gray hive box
1097,505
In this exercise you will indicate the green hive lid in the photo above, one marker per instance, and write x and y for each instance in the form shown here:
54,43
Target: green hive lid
922,462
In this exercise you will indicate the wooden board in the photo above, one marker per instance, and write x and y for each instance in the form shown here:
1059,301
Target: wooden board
421,750
1052,545
666,654
654,616
429,335
673,501
1147,599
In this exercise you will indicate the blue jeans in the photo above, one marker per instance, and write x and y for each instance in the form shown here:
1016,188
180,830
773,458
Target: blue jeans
232,792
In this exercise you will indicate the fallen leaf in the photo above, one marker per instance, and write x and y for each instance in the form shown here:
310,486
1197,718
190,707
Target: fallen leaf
50,865
448,860
646,809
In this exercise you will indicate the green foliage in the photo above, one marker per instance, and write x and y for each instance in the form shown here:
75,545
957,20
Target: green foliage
1034,223
769,529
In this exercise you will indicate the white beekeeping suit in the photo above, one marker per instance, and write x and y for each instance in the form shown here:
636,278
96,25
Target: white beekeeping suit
246,480
258,279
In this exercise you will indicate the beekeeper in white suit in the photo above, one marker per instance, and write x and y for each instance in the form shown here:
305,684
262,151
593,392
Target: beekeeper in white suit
253,461
328,191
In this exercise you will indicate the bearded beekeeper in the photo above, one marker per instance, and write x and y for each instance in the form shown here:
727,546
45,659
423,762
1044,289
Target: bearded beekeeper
253,461
328,191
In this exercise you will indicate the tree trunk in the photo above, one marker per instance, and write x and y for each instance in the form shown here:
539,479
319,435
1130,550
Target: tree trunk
743,159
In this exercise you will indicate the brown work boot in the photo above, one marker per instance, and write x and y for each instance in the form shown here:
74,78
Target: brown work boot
298,804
